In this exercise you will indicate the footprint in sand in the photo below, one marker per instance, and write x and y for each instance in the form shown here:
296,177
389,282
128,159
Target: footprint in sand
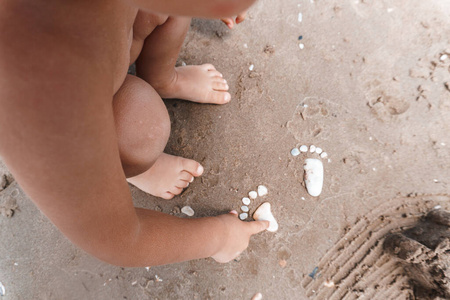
313,167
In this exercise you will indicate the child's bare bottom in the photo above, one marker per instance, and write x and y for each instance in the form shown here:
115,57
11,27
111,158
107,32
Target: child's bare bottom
142,120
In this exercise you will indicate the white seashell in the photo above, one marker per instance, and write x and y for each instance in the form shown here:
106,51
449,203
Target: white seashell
295,152
324,155
302,46
443,57
183,64
257,296
262,190
313,176
253,195
244,208
263,213
312,148
319,150
187,210
246,201
251,67
300,17
243,216
303,148
2,290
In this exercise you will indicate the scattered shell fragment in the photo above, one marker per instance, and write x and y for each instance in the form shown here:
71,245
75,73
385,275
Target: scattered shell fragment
295,152
158,279
2,289
253,194
243,216
187,210
319,150
328,284
246,201
313,176
183,64
312,148
262,190
300,17
263,213
302,46
244,208
303,148
148,269
324,155
443,57
257,296
251,67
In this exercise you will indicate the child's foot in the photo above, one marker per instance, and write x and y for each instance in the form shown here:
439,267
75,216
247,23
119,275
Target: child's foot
202,84
168,176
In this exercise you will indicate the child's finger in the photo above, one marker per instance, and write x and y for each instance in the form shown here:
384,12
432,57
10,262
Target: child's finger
257,226
241,17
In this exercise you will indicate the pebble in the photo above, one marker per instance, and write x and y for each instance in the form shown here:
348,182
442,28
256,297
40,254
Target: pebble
2,290
303,148
312,149
183,64
253,195
443,57
324,155
244,208
246,200
243,216
328,284
257,296
295,152
319,150
302,46
263,213
187,210
262,190
300,17
313,176
251,67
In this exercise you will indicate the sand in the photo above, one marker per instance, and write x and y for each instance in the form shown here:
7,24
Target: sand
368,88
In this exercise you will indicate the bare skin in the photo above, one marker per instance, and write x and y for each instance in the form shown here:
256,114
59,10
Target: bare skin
73,126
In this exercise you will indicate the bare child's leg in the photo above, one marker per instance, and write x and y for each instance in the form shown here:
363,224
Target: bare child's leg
156,65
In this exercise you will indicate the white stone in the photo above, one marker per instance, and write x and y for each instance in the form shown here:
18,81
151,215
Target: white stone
263,213
262,190
243,216
253,194
246,200
300,17
313,176
444,57
2,290
295,152
244,208
312,148
324,155
301,46
187,210
183,64
251,67
303,148
257,296
319,150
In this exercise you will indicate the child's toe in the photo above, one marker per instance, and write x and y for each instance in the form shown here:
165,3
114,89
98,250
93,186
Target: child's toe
208,67
175,190
186,176
192,167
215,73
220,86
182,184
219,97
167,195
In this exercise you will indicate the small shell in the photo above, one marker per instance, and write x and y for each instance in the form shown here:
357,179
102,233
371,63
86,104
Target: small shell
246,201
295,152
253,194
251,67
313,176
2,290
443,57
244,208
257,296
263,213
243,216
319,150
301,46
187,210
324,155
312,148
303,148
262,190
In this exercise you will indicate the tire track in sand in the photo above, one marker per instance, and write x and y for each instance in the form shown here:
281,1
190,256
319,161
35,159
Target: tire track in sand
357,267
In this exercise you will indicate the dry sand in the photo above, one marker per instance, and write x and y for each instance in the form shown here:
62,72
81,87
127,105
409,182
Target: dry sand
368,88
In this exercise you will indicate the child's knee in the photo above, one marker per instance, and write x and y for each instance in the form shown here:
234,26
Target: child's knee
142,125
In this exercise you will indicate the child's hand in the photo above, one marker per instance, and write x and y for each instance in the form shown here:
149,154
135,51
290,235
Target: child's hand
239,19
238,236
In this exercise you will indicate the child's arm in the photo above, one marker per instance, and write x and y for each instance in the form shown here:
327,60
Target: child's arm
196,8
58,138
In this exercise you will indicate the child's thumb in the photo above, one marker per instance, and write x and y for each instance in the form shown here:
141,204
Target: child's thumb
258,226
